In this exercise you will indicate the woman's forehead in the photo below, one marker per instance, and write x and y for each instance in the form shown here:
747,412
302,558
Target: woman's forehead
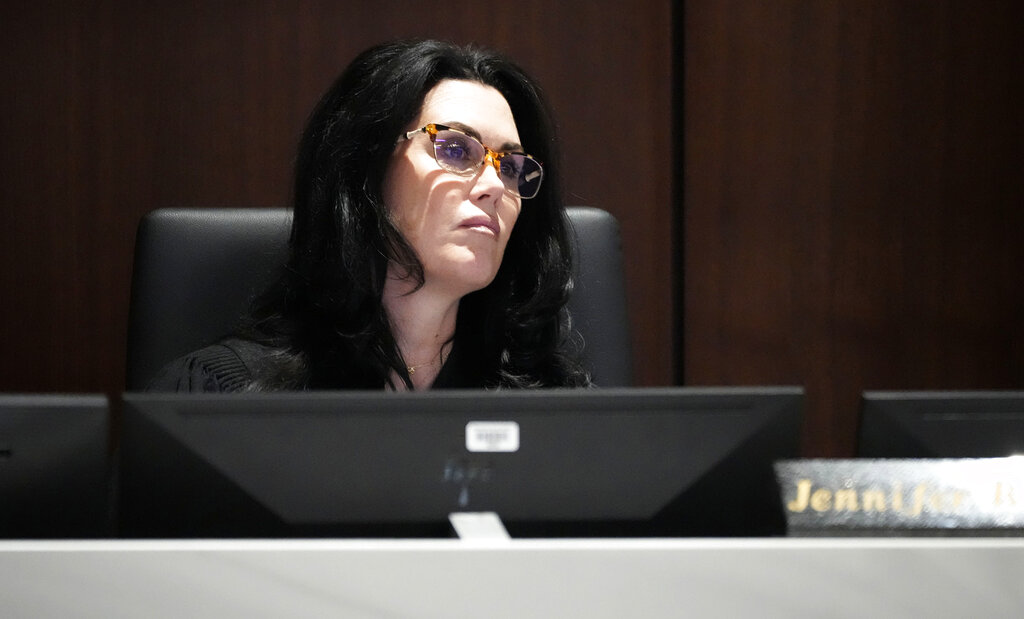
472,105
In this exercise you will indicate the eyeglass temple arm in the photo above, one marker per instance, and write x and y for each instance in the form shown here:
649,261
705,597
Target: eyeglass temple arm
408,135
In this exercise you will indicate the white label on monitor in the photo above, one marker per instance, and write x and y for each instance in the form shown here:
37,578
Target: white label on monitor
492,436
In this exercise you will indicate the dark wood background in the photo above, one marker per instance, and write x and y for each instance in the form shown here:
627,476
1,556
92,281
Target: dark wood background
853,201
821,193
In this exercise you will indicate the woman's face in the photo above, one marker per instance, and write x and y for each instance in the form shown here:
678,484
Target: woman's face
458,225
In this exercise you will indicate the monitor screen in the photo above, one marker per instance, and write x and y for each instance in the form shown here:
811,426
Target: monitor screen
54,466
941,424
566,463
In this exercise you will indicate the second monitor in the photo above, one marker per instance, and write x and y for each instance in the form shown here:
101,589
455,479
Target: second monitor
941,424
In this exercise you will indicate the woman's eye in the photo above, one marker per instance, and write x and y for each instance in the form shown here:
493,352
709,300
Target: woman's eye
455,150
509,168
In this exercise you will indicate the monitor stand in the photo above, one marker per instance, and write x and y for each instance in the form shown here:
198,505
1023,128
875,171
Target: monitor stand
478,526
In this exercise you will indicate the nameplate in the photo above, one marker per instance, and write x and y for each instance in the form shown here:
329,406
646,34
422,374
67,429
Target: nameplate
902,497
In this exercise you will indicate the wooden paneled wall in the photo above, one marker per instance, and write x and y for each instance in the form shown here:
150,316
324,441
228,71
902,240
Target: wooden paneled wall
854,199
111,109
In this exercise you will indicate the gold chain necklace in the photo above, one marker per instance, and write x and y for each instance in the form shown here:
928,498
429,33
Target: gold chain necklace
440,357
412,368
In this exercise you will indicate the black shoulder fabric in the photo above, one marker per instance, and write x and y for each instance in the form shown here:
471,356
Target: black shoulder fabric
214,369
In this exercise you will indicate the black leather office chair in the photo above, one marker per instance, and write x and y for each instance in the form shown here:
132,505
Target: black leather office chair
196,271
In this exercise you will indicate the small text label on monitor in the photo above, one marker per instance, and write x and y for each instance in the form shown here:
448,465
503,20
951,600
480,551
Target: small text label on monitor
492,436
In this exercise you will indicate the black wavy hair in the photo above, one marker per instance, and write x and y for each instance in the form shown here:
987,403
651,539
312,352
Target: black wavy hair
324,318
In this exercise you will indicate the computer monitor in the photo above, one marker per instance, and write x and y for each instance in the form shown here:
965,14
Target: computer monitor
941,424
54,466
563,463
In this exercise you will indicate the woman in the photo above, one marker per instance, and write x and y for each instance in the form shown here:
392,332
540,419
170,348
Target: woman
427,249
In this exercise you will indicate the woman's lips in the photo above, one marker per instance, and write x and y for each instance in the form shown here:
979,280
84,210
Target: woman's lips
482,224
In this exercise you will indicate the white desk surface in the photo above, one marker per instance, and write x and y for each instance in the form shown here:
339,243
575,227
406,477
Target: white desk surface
978,577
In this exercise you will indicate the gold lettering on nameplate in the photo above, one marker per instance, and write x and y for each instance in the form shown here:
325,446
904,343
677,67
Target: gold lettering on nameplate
918,500
821,500
930,496
846,500
922,498
873,500
803,492
1004,495
897,496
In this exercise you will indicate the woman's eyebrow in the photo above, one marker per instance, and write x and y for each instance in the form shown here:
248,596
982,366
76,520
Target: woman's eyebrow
463,127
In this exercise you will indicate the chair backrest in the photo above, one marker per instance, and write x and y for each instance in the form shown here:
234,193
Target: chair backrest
196,271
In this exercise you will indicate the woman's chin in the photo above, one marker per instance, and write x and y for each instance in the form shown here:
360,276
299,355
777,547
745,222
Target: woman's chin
466,276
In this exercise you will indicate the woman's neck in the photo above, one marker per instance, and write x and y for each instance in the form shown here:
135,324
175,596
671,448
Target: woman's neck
423,325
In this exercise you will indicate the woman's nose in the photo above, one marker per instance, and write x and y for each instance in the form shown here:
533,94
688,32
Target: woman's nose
488,181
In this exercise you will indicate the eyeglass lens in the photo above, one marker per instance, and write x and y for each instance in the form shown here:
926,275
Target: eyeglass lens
463,154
